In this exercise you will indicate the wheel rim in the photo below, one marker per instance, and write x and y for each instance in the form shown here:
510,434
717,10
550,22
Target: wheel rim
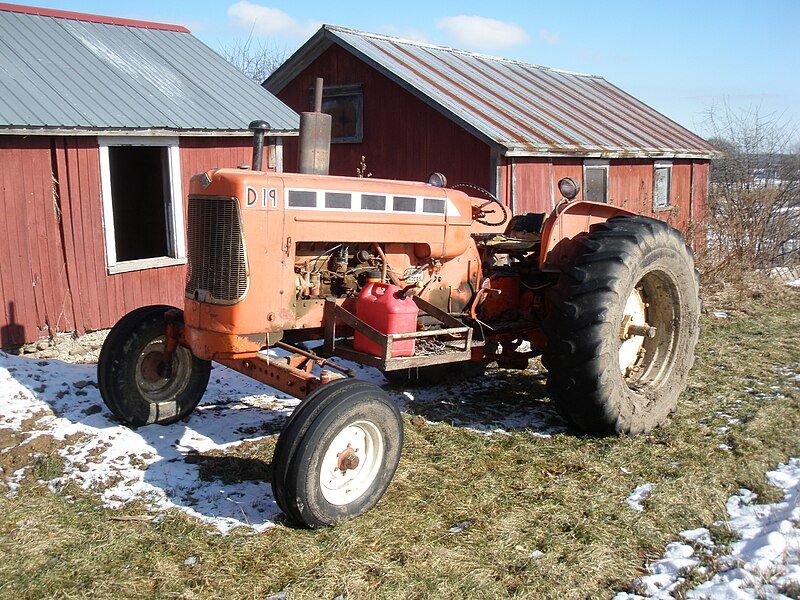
648,334
150,381
351,463
631,346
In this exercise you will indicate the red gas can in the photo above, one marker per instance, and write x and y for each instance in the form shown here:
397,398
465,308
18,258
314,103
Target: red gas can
383,307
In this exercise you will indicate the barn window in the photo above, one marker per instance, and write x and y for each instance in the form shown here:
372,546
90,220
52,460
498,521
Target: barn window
142,203
595,180
662,185
345,105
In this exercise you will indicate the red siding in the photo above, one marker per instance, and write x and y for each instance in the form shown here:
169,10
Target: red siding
53,275
630,185
533,184
404,138
33,285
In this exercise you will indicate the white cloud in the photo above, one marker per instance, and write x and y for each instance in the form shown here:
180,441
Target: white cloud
549,37
265,20
482,32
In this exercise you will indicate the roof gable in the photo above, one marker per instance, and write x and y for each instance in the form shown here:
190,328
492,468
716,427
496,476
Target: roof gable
75,72
525,109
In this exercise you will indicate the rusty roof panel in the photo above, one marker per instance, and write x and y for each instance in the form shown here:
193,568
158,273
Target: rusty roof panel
525,109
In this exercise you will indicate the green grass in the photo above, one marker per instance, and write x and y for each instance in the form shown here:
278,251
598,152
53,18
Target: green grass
563,495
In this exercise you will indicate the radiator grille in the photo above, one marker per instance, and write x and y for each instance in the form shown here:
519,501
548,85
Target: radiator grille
217,264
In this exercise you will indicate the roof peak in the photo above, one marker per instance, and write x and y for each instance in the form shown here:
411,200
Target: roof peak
89,18
400,40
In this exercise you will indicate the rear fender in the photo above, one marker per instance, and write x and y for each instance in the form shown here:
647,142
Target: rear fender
568,220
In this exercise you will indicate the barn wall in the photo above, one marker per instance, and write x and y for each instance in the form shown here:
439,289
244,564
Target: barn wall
630,186
532,184
33,281
404,138
53,275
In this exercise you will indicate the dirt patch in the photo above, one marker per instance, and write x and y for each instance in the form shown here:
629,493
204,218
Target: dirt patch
36,455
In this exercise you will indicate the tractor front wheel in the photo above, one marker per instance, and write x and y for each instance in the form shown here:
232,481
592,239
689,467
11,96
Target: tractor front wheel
338,453
622,326
131,373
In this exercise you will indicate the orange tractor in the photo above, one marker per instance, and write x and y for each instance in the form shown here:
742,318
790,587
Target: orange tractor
408,278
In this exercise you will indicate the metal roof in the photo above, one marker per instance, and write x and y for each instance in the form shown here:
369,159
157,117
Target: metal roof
525,109
71,73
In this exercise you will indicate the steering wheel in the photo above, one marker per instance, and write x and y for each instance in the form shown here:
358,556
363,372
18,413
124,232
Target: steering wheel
479,213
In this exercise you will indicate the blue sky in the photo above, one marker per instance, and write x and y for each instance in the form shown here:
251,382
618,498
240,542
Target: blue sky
681,57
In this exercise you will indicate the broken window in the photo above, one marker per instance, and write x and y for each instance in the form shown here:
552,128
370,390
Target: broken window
345,105
141,203
595,180
662,185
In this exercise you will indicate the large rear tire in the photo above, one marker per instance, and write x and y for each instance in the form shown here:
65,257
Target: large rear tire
622,327
337,454
130,377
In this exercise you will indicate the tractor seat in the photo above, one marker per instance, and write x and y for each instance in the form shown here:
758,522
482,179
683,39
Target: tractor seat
522,234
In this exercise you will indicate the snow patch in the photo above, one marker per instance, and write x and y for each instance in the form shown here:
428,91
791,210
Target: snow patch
764,563
639,495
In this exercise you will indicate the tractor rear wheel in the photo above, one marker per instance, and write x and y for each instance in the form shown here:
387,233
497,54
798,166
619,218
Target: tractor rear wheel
130,371
337,454
622,326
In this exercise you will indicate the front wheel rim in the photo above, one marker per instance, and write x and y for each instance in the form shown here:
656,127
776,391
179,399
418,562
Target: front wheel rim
351,462
149,380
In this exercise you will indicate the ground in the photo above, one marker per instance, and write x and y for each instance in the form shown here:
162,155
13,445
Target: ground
495,496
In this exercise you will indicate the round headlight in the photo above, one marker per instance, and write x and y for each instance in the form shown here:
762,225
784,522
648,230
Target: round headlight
569,188
437,180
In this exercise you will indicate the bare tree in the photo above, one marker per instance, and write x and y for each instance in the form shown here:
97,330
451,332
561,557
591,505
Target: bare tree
255,58
753,212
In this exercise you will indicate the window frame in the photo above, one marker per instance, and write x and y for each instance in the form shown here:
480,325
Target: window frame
350,89
594,163
663,164
176,239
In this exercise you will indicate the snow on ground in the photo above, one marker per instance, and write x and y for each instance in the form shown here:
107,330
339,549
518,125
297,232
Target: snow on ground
764,563
53,401
639,495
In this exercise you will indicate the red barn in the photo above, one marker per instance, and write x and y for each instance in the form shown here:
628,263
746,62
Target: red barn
102,123
412,108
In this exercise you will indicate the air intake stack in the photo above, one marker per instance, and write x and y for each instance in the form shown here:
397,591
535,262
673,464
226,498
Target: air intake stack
314,147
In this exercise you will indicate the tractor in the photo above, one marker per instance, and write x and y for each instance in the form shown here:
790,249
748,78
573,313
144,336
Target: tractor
288,272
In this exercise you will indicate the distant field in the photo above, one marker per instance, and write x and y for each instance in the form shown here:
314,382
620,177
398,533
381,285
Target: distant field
494,496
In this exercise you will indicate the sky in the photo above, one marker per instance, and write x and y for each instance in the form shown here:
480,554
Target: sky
680,57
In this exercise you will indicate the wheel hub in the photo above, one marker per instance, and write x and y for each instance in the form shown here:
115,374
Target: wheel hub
151,374
152,367
633,331
348,459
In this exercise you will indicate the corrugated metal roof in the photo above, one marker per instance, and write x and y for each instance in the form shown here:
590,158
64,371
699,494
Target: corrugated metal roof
525,109
64,72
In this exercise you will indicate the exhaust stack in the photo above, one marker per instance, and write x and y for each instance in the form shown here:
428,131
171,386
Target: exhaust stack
314,147
259,129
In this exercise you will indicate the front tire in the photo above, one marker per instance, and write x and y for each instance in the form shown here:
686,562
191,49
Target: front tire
338,453
128,375
622,326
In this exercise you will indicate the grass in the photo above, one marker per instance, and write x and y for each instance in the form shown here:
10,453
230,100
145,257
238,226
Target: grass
562,495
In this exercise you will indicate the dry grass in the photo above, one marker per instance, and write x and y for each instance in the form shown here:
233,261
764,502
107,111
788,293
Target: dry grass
563,495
